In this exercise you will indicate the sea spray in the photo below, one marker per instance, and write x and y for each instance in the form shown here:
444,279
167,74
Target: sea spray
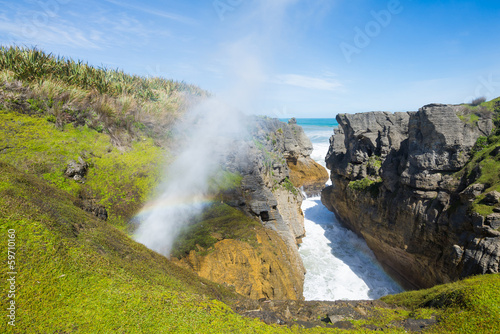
209,131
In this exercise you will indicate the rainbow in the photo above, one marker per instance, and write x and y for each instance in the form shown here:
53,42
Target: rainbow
174,203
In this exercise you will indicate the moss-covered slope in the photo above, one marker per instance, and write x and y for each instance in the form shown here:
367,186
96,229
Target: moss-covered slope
77,274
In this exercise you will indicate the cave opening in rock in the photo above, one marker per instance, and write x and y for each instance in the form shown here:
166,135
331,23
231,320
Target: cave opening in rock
264,215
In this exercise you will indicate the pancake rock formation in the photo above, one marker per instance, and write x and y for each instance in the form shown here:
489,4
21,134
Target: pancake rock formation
395,182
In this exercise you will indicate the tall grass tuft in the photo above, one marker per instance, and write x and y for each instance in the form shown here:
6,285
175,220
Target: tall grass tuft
34,65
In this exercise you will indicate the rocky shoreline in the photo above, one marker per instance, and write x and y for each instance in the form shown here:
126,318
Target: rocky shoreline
395,182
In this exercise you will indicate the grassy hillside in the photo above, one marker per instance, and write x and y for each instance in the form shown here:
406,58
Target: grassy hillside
468,306
80,274
119,180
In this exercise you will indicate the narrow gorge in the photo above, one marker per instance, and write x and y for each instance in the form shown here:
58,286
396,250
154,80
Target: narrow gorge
406,183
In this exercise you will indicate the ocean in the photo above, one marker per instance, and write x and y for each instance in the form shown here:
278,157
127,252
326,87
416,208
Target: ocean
339,264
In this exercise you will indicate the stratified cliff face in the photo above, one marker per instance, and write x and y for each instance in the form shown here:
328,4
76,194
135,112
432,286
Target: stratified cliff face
271,268
395,184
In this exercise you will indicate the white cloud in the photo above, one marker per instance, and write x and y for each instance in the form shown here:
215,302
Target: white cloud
307,82
155,12
54,34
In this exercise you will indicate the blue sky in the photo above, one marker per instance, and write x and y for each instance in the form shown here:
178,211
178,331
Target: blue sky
283,58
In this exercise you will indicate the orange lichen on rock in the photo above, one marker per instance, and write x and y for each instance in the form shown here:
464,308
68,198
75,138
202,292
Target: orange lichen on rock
257,271
307,173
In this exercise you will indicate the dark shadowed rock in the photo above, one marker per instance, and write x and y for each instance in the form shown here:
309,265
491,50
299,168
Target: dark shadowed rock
343,325
492,198
337,314
412,212
95,208
76,170
493,220
471,192
418,325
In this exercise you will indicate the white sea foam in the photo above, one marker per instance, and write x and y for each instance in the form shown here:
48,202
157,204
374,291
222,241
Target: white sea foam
339,264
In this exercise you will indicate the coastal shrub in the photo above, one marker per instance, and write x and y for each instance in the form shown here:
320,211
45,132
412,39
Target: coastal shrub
366,185
288,185
481,143
374,165
108,101
34,65
478,101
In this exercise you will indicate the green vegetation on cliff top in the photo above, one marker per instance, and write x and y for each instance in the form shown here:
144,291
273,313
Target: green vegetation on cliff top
33,65
78,274
484,165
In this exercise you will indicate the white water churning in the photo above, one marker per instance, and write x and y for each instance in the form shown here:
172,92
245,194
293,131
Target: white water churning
339,264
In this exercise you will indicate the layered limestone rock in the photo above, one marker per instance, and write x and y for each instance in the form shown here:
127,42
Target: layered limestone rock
394,184
272,269
257,271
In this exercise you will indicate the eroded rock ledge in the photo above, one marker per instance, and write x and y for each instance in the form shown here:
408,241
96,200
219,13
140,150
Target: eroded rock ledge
271,266
395,184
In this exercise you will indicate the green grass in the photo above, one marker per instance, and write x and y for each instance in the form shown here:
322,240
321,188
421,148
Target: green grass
219,221
470,118
489,165
77,274
121,180
484,159
492,104
468,306
224,180
366,185
390,319
73,92
471,114
287,184
33,65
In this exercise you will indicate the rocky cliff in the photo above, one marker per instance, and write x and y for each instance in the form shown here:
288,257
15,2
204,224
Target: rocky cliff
268,264
398,181
305,173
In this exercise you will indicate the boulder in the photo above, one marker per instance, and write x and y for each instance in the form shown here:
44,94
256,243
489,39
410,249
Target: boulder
493,220
471,192
492,198
76,170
